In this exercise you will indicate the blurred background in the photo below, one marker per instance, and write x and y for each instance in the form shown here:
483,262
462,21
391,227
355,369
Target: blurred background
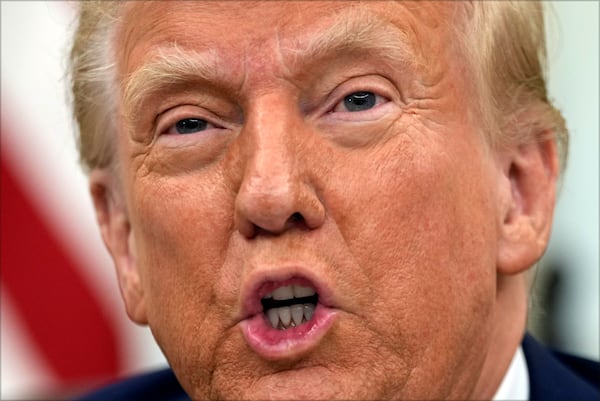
63,326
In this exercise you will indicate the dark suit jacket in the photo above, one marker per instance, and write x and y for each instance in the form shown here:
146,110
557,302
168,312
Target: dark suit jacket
558,376
552,376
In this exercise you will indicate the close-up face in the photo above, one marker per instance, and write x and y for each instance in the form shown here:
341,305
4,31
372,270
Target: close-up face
310,206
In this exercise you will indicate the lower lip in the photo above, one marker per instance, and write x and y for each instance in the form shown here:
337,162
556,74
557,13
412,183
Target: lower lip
275,344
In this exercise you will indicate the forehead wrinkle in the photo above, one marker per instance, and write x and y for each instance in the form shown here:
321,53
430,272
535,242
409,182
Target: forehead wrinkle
354,29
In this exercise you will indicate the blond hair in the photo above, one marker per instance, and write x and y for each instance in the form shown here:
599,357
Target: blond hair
94,87
504,41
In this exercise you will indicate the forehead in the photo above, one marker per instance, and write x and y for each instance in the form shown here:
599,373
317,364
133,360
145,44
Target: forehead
240,30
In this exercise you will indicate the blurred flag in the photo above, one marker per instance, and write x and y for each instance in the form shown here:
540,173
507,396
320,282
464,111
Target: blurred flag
63,326
65,323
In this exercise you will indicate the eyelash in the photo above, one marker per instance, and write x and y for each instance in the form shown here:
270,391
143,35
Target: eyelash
373,113
377,85
379,99
168,119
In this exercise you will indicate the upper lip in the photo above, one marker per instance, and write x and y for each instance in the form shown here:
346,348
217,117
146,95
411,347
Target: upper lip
258,285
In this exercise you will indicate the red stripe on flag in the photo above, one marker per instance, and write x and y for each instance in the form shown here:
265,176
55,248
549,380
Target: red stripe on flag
72,332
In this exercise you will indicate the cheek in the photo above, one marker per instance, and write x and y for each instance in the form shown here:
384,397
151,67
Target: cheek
177,221
421,224
180,233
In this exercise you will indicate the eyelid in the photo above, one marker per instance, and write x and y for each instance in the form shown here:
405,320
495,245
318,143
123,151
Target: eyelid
379,99
378,85
168,118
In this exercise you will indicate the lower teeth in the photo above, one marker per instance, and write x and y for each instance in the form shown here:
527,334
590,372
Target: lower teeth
285,317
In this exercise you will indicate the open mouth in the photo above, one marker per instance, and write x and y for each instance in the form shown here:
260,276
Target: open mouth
286,317
290,306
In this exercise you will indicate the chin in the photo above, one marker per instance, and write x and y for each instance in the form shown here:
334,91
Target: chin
310,383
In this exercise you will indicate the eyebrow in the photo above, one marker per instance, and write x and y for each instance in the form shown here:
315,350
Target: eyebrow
354,30
172,66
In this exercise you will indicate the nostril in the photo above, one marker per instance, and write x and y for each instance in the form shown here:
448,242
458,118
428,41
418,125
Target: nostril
295,220
250,229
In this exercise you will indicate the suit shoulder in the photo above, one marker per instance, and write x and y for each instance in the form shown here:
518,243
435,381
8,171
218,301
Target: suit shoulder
586,369
558,376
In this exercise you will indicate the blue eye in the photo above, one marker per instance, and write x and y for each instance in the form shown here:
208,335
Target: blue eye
360,101
190,125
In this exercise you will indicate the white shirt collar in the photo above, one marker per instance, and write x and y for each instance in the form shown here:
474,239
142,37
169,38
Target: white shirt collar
515,385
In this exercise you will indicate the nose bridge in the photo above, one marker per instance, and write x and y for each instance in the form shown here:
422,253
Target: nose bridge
271,189
271,164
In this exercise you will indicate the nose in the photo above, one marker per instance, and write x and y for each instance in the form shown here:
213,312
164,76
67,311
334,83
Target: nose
276,192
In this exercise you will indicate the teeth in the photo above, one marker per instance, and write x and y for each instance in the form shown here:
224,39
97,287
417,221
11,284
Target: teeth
291,291
300,291
273,316
297,313
282,293
309,310
290,316
285,315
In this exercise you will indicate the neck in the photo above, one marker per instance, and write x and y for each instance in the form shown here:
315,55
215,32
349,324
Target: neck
510,314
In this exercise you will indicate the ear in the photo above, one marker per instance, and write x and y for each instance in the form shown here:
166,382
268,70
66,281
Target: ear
530,174
113,220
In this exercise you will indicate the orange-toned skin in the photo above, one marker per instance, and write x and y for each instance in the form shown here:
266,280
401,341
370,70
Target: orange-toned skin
420,229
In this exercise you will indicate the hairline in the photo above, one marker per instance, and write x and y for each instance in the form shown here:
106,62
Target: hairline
173,64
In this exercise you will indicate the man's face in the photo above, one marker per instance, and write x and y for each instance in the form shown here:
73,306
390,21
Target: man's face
323,149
